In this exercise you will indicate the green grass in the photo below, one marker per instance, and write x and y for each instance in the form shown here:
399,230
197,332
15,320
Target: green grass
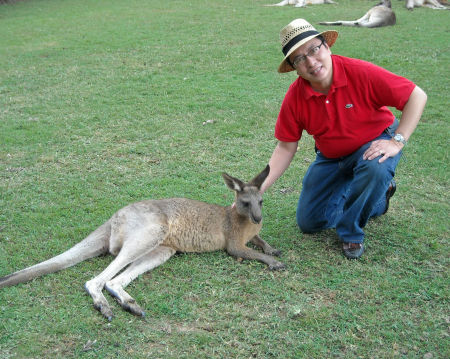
102,103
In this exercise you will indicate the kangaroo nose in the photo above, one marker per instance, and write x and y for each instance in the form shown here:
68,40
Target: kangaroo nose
256,219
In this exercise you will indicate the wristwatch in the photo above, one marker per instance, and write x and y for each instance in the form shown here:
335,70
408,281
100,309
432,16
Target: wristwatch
399,138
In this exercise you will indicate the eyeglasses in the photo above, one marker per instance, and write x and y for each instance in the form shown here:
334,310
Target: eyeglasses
301,59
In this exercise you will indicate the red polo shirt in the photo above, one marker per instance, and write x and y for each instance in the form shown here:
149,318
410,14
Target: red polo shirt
353,112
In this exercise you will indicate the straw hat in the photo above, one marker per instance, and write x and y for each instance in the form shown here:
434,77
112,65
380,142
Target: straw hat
295,34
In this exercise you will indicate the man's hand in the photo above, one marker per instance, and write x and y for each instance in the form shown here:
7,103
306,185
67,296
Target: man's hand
383,148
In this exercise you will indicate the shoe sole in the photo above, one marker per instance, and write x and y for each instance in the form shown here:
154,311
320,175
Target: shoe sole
353,254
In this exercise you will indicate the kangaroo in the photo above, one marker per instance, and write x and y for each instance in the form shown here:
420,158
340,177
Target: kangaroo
379,15
145,234
302,3
433,4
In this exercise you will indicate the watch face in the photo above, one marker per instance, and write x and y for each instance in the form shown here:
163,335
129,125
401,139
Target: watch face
398,137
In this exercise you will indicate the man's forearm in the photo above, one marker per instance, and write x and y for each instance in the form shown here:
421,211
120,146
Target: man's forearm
279,162
412,112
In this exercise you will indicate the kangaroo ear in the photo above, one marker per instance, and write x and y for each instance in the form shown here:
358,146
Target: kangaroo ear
259,179
233,183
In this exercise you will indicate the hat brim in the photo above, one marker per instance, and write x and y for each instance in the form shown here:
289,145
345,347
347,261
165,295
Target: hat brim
330,37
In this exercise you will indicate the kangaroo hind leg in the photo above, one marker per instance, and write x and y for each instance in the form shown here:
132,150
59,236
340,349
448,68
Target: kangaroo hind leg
137,242
149,261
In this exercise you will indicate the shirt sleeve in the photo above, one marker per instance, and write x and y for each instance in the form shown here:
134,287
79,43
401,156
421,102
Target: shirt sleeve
288,127
389,89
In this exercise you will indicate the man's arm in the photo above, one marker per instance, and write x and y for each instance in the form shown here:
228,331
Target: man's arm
411,114
281,159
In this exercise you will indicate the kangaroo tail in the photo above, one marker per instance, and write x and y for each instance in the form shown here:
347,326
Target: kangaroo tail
342,23
331,23
93,245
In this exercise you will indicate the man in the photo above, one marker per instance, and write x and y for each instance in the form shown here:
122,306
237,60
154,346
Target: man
342,103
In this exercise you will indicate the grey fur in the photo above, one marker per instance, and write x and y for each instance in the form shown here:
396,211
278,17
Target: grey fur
378,16
145,234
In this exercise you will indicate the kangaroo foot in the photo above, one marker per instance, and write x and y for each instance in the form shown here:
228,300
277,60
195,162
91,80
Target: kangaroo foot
124,299
105,310
100,302
133,308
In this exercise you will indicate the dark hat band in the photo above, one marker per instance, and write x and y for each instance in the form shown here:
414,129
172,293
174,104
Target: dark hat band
298,38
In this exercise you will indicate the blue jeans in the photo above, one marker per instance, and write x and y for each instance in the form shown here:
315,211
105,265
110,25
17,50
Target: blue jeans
344,193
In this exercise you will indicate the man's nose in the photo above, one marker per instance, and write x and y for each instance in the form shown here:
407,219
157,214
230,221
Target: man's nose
310,60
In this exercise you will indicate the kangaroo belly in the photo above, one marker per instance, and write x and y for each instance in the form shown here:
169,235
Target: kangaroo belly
193,226
194,240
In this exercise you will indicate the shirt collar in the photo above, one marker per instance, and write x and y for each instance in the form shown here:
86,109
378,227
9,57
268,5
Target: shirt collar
339,79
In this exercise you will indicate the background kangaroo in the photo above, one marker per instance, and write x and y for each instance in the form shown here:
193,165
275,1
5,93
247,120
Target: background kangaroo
377,16
434,4
302,3
145,234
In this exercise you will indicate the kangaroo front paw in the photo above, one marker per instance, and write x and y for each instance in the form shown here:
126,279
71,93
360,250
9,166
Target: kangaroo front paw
274,252
277,266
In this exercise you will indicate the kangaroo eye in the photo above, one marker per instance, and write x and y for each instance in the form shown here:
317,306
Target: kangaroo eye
245,204
261,202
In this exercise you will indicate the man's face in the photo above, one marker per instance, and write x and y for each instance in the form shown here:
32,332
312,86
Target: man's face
316,64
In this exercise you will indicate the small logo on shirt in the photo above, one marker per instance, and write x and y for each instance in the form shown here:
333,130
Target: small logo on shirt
349,105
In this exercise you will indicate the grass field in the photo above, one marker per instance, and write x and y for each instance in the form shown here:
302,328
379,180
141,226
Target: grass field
103,103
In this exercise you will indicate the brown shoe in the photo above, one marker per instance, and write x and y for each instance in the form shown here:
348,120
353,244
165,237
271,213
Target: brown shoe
353,250
389,193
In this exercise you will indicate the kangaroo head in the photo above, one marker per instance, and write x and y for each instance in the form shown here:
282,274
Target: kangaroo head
248,198
386,3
